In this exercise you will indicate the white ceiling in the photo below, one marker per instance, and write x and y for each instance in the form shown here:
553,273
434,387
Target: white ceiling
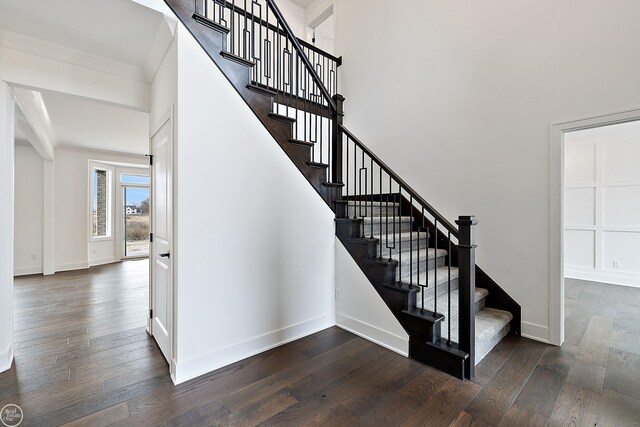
118,30
303,3
81,123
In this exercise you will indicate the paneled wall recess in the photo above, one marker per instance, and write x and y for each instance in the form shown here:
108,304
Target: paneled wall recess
602,204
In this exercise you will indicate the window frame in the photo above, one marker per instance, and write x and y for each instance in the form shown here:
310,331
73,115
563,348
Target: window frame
109,202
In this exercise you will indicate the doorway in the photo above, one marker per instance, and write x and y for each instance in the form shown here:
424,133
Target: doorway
321,31
593,212
135,221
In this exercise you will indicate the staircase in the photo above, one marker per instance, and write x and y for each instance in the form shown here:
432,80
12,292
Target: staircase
421,265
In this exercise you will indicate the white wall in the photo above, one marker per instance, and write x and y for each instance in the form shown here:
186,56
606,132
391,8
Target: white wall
28,210
254,263
359,308
294,15
602,204
465,117
71,213
6,225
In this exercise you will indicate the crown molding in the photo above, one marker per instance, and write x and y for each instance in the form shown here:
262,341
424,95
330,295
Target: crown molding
23,43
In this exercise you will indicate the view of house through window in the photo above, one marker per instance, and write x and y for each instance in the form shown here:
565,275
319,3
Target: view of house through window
136,215
101,224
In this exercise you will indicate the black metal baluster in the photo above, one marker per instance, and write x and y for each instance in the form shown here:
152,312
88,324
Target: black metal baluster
380,211
424,288
449,287
435,268
399,231
392,213
232,32
244,32
411,242
297,90
372,201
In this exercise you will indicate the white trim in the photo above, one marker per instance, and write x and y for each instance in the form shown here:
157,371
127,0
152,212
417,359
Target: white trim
103,261
48,222
27,271
71,56
556,209
168,116
196,366
83,265
535,332
35,112
6,359
611,278
374,334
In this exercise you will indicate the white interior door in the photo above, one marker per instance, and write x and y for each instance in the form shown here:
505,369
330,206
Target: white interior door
161,247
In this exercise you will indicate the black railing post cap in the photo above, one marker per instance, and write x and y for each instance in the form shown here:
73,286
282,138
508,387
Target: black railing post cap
338,97
467,220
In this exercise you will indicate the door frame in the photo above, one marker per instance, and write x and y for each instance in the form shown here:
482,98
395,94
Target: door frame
168,116
556,208
324,13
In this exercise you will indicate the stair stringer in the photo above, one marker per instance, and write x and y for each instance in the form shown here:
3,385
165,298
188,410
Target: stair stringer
213,42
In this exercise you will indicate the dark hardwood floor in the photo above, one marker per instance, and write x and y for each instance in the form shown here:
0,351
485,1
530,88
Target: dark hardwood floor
83,357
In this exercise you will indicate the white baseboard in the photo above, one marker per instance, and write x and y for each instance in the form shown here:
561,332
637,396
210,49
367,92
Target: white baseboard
535,332
613,278
72,266
372,333
102,261
188,369
26,271
6,359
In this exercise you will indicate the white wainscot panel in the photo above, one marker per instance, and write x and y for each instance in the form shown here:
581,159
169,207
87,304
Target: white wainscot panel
579,206
580,161
621,206
623,248
620,161
579,248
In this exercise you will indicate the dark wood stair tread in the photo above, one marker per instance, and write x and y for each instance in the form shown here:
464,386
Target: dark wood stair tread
237,59
262,89
282,118
303,143
209,23
317,165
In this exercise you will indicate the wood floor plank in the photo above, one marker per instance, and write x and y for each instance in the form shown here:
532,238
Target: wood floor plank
576,407
594,347
617,409
493,402
587,376
623,373
445,405
541,390
522,417
102,418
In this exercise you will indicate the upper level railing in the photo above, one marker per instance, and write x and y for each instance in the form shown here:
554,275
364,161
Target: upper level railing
284,64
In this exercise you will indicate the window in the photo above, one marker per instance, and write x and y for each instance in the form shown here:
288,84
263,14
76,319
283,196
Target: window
101,224
134,179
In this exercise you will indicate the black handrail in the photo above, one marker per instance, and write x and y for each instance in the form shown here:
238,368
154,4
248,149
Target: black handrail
441,219
296,45
241,11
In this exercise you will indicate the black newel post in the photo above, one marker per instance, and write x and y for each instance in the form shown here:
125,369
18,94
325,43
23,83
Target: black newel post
336,149
466,294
